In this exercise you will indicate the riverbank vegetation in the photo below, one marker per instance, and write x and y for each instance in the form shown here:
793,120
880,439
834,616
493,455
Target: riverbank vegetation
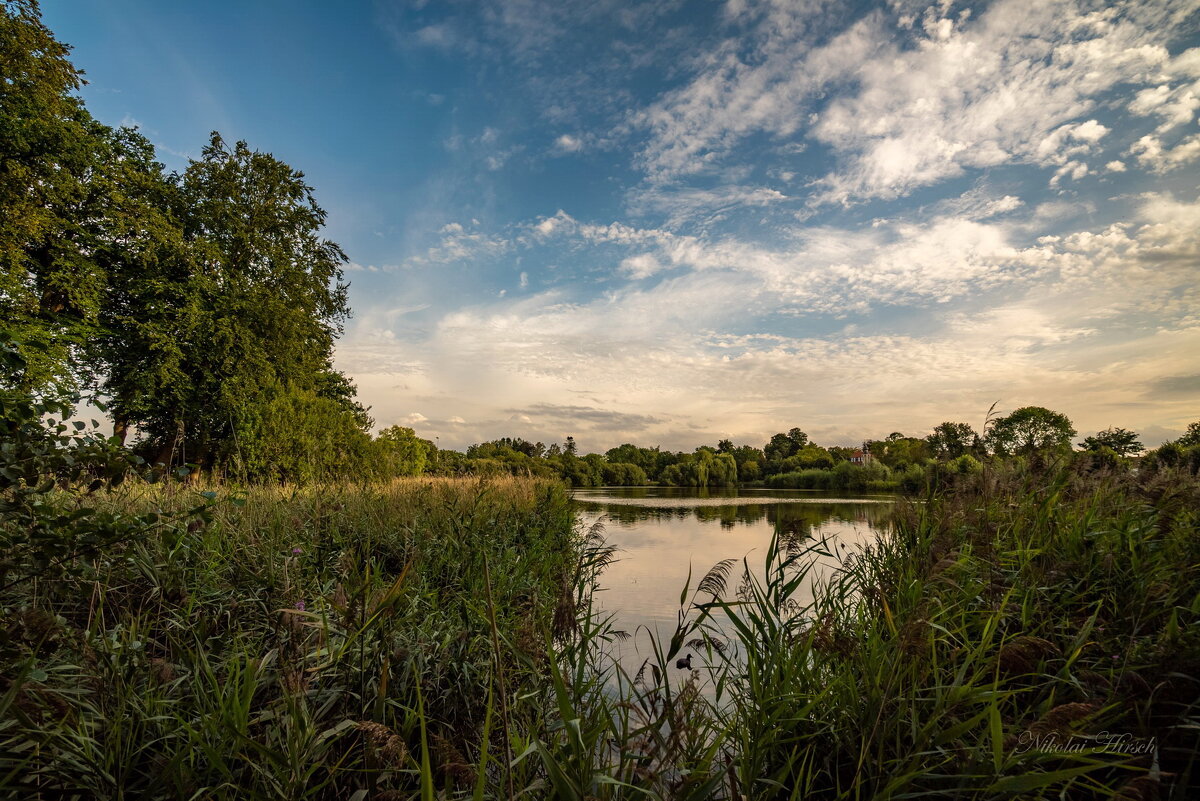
1027,630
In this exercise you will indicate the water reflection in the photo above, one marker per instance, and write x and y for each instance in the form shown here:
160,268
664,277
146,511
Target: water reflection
662,533
782,514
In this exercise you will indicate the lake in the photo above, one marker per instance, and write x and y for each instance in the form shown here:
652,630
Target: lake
661,532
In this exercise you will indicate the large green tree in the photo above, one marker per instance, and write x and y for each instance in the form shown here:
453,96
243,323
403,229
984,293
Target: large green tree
50,287
222,304
1028,430
782,446
951,440
262,304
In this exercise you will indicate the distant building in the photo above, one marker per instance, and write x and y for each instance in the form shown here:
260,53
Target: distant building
861,455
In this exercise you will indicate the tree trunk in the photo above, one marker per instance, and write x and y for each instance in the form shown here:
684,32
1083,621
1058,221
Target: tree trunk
120,431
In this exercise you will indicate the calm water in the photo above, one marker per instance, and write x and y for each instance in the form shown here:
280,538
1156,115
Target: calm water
662,531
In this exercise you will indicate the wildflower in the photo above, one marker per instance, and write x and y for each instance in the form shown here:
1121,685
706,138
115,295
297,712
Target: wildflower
300,606
297,550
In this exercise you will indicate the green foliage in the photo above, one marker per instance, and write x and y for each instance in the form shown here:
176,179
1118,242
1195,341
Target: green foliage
952,440
49,283
1191,437
899,452
966,465
1117,440
1029,430
1171,456
652,461
315,643
705,468
202,305
954,658
294,435
270,295
623,474
782,446
50,474
808,457
844,476
400,452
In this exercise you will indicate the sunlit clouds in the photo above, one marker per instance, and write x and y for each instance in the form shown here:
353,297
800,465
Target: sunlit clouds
675,222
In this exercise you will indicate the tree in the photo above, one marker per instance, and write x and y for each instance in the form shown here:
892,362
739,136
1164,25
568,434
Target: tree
810,457
403,452
1118,440
898,451
782,446
151,307
704,468
49,285
1190,438
951,440
570,447
1028,430
261,298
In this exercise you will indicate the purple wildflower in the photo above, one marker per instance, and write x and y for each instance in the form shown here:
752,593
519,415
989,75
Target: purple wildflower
300,606
297,550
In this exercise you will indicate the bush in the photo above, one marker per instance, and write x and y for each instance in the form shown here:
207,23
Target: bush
965,465
623,474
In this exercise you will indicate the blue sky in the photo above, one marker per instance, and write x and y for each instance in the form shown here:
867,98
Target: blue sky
672,222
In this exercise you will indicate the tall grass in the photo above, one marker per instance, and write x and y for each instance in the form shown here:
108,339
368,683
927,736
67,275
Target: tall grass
301,644
436,639
984,649
1024,633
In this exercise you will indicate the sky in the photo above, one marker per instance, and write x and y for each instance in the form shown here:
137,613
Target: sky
672,222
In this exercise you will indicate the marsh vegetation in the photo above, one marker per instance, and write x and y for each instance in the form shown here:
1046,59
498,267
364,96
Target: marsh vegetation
438,638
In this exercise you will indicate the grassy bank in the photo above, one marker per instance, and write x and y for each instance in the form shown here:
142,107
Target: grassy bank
984,650
291,645
1025,632
434,639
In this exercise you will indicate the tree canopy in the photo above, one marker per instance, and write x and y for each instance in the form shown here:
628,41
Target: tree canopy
1118,440
202,306
1030,429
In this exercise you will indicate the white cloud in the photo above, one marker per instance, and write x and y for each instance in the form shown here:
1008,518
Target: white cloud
642,265
1015,83
1151,154
548,225
730,97
681,205
1004,89
1060,322
568,143
1073,170
459,244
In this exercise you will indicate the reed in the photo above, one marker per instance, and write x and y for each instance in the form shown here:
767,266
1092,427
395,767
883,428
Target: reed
437,639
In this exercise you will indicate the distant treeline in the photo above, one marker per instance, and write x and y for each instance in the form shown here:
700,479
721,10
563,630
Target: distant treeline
792,461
